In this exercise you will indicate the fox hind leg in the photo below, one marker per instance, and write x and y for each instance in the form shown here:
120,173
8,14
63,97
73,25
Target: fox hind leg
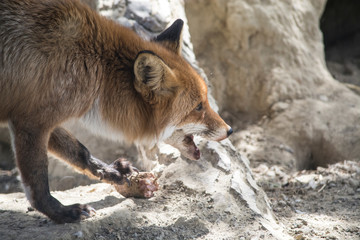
30,149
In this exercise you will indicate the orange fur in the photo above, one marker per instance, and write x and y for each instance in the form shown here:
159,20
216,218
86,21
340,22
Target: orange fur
61,60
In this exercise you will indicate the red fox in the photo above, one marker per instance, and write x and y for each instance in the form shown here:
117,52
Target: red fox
61,60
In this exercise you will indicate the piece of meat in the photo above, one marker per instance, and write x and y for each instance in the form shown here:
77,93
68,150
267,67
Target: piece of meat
142,185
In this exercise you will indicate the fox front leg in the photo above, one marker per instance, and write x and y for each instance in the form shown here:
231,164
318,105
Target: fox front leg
63,145
29,144
68,148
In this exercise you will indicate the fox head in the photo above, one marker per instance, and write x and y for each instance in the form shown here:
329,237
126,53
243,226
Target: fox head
178,95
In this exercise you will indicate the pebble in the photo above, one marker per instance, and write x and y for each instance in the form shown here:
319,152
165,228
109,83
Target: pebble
281,203
30,209
351,191
299,237
79,234
354,183
304,222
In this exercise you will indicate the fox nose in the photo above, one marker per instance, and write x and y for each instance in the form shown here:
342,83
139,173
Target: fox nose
229,132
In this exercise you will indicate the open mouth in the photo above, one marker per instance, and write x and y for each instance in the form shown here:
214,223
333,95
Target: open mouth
185,143
192,151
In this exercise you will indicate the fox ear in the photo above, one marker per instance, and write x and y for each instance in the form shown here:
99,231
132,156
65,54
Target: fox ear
152,76
171,38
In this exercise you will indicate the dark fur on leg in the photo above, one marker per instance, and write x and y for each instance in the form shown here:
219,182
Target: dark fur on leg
69,149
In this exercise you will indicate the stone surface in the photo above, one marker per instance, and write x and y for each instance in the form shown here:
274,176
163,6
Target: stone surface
255,54
266,61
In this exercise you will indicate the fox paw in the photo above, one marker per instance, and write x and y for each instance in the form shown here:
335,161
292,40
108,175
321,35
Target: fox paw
72,213
117,172
143,185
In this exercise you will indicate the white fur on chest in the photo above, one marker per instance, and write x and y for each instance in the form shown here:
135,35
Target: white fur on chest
96,124
93,121
151,142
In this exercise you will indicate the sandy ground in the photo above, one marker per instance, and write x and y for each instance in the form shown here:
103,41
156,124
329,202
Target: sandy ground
175,212
317,204
116,217
312,204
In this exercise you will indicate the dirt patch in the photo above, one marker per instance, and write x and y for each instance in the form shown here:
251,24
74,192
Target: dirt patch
318,204
312,204
177,211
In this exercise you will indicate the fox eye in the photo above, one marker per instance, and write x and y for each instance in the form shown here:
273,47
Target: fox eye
199,107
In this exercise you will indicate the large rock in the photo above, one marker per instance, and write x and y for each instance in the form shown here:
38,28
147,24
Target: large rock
257,54
266,59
